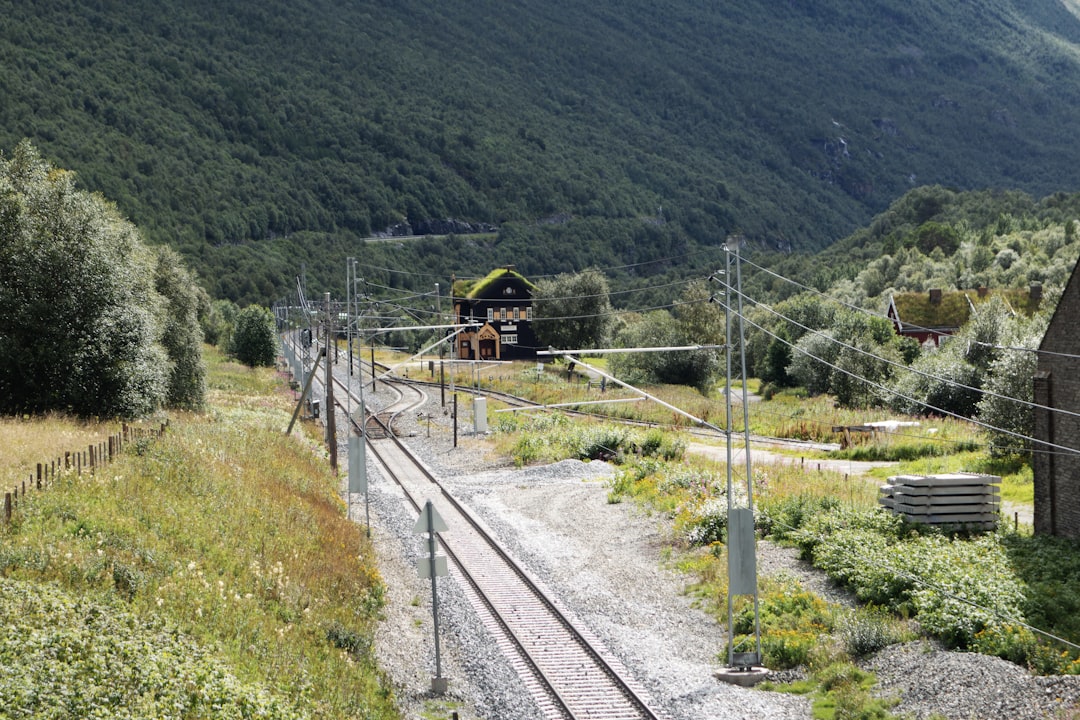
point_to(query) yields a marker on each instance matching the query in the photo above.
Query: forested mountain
(255, 135)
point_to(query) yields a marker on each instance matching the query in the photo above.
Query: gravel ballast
(606, 563)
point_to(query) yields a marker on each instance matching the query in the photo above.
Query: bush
(955, 588)
(254, 340)
(867, 630)
(780, 517)
(69, 657)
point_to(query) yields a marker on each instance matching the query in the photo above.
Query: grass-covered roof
(954, 308)
(476, 288)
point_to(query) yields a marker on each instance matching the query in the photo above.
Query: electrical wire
(1065, 450)
(871, 313)
(953, 596)
(908, 368)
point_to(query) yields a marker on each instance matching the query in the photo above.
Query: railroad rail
(569, 676)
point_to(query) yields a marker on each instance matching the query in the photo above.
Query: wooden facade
(499, 306)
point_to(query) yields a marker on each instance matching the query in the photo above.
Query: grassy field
(216, 563)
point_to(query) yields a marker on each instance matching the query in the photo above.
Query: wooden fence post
(7, 507)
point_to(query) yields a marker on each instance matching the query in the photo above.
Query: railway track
(568, 673)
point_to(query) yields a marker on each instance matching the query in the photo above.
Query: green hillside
(254, 136)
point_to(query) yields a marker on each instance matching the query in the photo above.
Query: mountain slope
(220, 123)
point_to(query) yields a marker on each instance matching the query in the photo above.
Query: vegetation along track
(569, 676)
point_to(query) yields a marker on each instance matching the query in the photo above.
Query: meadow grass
(30, 440)
(229, 532)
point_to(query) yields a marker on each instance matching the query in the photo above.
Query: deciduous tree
(572, 311)
(79, 315)
(254, 340)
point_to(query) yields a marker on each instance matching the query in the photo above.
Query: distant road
(391, 238)
(405, 238)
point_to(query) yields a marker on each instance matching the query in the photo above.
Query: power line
(1067, 450)
(908, 368)
(871, 313)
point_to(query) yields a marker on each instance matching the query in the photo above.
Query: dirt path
(851, 467)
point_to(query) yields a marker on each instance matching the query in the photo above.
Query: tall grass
(232, 533)
(30, 440)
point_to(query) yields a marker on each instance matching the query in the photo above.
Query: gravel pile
(606, 564)
(928, 679)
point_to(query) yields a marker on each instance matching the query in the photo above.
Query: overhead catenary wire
(908, 368)
(1065, 449)
(871, 313)
(854, 375)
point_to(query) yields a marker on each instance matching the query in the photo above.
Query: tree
(254, 340)
(950, 377)
(79, 313)
(811, 360)
(1007, 411)
(572, 311)
(217, 319)
(182, 337)
(696, 368)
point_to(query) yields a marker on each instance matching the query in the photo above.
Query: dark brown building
(1057, 385)
(500, 306)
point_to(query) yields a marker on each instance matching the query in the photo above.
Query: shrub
(867, 630)
(956, 588)
(69, 657)
(784, 649)
(781, 516)
(601, 442)
(709, 523)
(253, 339)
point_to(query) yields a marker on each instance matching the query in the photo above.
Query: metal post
(727, 433)
(434, 594)
(363, 441)
(746, 430)
(331, 427)
(348, 313)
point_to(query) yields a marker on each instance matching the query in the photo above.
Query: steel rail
(549, 685)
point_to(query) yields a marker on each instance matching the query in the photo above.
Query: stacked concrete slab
(969, 500)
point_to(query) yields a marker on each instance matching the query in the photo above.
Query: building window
(491, 314)
(528, 313)
(508, 339)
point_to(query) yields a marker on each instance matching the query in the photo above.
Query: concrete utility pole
(331, 428)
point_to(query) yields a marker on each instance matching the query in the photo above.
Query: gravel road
(607, 562)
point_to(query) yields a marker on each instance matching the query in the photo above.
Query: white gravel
(607, 562)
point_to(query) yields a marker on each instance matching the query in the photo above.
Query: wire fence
(89, 460)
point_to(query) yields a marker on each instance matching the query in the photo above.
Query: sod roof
(954, 308)
(476, 288)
